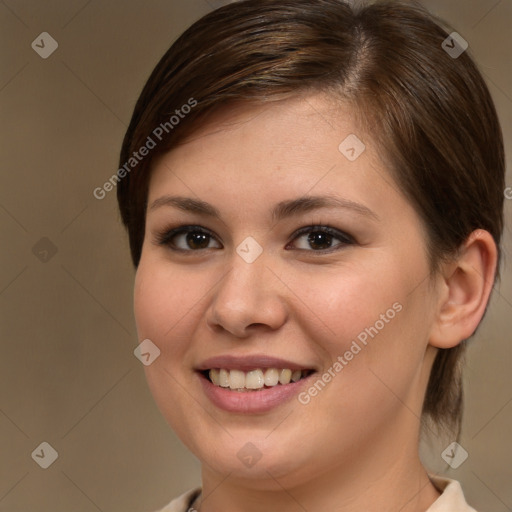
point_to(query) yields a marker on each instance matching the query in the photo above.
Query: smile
(253, 380)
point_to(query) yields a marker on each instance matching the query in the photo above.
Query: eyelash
(165, 237)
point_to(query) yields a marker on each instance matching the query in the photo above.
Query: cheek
(166, 304)
(369, 315)
(347, 301)
(164, 301)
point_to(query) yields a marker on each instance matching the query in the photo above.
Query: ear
(465, 287)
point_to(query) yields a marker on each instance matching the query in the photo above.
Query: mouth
(255, 383)
(254, 380)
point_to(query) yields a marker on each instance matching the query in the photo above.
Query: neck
(381, 484)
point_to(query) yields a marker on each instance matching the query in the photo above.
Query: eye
(188, 239)
(321, 239)
(310, 238)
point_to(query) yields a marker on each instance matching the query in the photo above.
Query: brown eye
(196, 240)
(188, 239)
(321, 238)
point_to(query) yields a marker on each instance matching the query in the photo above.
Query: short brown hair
(430, 114)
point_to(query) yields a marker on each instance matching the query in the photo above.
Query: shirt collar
(452, 498)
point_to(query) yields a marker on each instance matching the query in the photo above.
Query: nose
(249, 298)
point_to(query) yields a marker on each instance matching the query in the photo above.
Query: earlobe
(467, 285)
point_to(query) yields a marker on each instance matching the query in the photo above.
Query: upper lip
(251, 362)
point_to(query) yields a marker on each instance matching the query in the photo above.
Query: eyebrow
(281, 210)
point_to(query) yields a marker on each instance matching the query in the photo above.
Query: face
(271, 244)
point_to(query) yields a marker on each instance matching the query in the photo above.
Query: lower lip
(251, 401)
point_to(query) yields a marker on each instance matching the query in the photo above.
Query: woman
(313, 194)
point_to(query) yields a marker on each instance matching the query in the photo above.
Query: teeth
(254, 379)
(285, 376)
(224, 378)
(271, 377)
(236, 379)
(215, 376)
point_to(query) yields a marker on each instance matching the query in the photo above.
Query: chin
(252, 459)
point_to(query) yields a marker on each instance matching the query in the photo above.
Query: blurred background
(68, 372)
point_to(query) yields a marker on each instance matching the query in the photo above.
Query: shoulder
(182, 503)
(452, 498)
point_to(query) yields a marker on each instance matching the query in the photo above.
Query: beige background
(69, 375)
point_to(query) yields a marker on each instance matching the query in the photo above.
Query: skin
(354, 446)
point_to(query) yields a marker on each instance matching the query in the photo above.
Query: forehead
(294, 139)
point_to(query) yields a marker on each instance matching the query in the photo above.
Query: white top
(451, 499)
